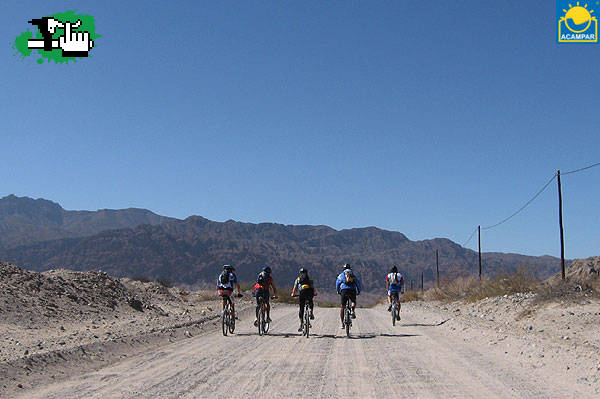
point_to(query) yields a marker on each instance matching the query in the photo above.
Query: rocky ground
(55, 322)
(555, 331)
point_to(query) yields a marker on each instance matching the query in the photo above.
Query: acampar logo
(576, 22)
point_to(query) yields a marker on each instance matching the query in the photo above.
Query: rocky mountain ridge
(25, 220)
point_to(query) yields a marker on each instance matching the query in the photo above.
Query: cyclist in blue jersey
(348, 286)
(226, 281)
(395, 286)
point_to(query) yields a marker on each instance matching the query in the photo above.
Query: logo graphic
(60, 37)
(576, 23)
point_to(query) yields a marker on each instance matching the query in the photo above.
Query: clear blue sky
(423, 117)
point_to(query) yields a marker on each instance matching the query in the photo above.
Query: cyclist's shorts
(227, 292)
(348, 295)
(262, 293)
(395, 294)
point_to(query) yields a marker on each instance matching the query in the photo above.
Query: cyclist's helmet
(394, 269)
(267, 269)
(302, 271)
(346, 266)
(228, 268)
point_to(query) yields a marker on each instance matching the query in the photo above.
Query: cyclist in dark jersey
(264, 282)
(306, 290)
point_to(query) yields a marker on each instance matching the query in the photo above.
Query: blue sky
(424, 117)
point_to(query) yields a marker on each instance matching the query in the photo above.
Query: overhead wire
(523, 207)
(470, 237)
(580, 169)
(537, 194)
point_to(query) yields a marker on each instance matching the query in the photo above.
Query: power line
(580, 169)
(523, 207)
(530, 201)
(471, 236)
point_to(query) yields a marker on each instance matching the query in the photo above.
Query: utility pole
(479, 230)
(422, 285)
(560, 223)
(437, 267)
(411, 284)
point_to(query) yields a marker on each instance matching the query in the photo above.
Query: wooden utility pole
(479, 231)
(560, 223)
(411, 284)
(422, 285)
(437, 267)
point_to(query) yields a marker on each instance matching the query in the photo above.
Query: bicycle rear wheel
(224, 322)
(231, 324)
(261, 318)
(394, 314)
(306, 321)
(348, 321)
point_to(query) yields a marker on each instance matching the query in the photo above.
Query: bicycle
(263, 322)
(306, 319)
(227, 322)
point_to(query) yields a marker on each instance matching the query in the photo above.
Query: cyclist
(306, 290)
(225, 283)
(348, 286)
(262, 288)
(395, 287)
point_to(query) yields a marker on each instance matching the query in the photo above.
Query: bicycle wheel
(231, 323)
(261, 318)
(306, 321)
(347, 321)
(394, 315)
(224, 322)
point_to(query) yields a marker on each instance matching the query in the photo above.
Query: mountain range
(41, 235)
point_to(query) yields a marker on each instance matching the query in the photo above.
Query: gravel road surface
(419, 358)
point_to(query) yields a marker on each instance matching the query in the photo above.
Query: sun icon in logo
(578, 19)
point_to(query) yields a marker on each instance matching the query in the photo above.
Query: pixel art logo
(60, 37)
(576, 22)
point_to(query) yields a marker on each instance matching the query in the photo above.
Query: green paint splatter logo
(60, 37)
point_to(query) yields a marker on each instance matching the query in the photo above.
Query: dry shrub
(327, 304)
(505, 284)
(410, 296)
(286, 298)
(471, 289)
(567, 291)
(247, 285)
(453, 290)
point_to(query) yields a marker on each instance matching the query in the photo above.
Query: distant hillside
(25, 221)
(192, 251)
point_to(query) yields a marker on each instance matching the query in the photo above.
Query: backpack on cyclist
(262, 279)
(394, 278)
(224, 278)
(349, 278)
(305, 282)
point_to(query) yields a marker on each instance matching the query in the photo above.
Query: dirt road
(419, 358)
